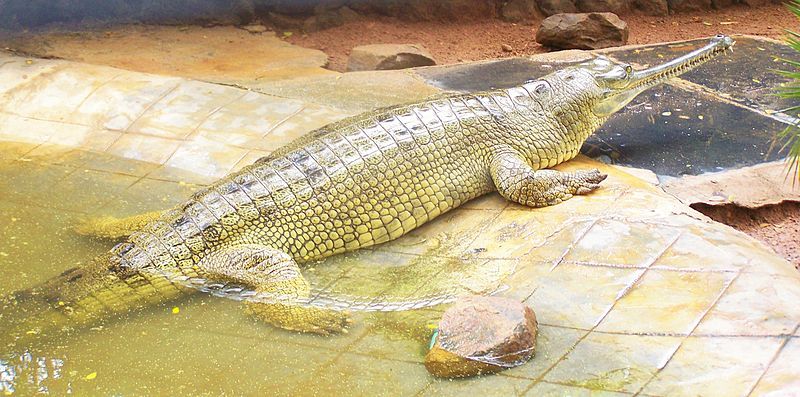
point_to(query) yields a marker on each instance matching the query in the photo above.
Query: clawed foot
(302, 319)
(585, 181)
(325, 322)
(578, 182)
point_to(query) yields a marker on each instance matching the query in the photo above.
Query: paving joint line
(696, 324)
(772, 360)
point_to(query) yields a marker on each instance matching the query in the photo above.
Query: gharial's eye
(628, 69)
(542, 88)
(537, 89)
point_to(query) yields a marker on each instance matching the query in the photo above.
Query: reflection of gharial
(361, 181)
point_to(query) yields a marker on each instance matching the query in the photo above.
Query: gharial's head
(607, 86)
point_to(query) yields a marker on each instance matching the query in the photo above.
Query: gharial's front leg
(275, 273)
(517, 181)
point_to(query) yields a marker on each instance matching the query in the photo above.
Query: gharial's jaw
(622, 89)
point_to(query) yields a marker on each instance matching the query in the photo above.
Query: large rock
(553, 7)
(615, 6)
(519, 10)
(482, 335)
(388, 56)
(653, 7)
(689, 5)
(587, 31)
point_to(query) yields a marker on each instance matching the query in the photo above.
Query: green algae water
(203, 345)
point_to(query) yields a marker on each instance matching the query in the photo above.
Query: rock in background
(388, 57)
(586, 31)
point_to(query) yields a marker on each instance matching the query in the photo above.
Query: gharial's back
(373, 177)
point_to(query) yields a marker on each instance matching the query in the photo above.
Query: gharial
(357, 182)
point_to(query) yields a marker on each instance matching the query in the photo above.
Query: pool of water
(203, 344)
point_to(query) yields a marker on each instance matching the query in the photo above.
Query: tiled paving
(635, 293)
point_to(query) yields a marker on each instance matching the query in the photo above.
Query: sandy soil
(470, 41)
(777, 225)
(230, 52)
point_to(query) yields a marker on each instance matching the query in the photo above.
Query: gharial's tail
(78, 298)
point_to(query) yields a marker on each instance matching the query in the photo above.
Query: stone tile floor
(635, 292)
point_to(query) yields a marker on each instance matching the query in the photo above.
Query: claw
(588, 188)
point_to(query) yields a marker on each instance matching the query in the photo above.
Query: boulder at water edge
(480, 335)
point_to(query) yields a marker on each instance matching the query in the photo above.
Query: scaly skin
(358, 182)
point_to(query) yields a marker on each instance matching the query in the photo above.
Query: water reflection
(25, 373)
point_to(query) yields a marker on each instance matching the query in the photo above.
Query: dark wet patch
(675, 132)
(747, 75)
(504, 73)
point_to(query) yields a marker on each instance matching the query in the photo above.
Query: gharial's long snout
(645, 78)
(622, 83)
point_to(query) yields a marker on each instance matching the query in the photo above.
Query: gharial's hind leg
(275, 273)
(114, 228)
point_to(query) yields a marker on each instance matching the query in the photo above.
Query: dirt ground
(471, 41)
(777, 225)
(227, 51)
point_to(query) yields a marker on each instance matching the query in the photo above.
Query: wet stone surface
(674, 132)
(720, 309)
(747, 75)
(488, 75)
